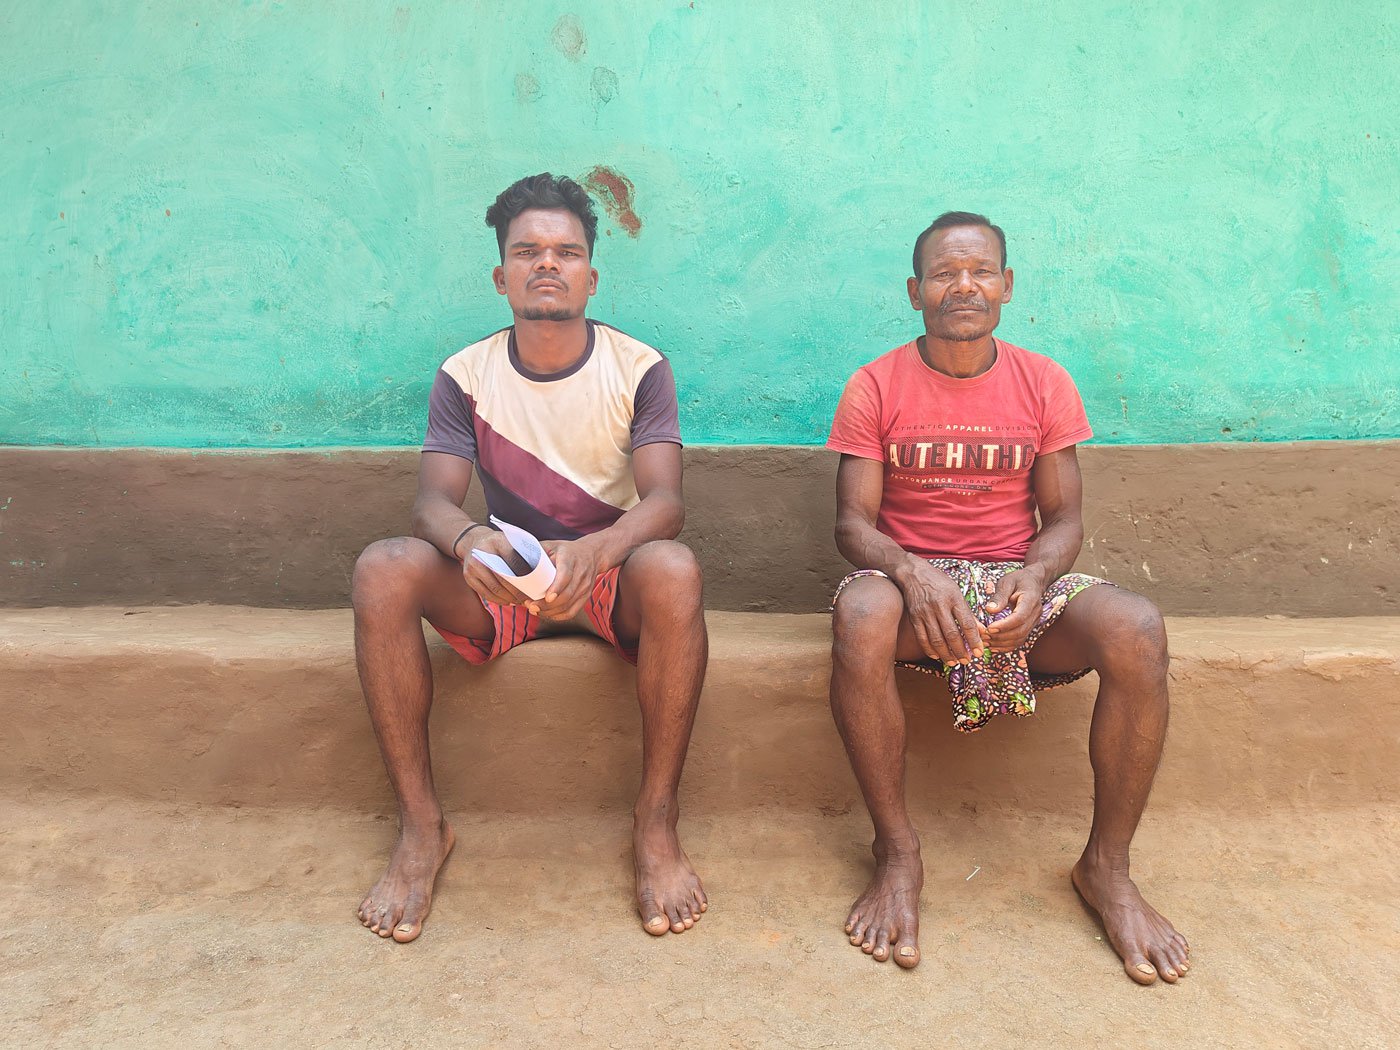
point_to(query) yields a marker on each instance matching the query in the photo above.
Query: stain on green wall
(261, 224)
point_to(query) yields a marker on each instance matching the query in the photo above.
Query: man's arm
(656, 468)
(438, 518)
(942, 619)
(1059, 491)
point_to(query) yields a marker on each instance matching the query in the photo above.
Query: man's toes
(701, 899)
(653, 920)
(1177, 958)
(906, 952)
(1140, 970)
(1163, 962)
(1172, 962)
(368, 911)
(410, 923)
(882, 946)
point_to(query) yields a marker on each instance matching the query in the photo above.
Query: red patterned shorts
(516, 625)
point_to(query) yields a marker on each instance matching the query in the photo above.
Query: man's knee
(665, 571)
(387, 569)
(1133, 639)
(865, 621)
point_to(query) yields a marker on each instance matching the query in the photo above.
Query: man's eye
(983, 273)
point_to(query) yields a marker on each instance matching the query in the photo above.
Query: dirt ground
(151, 926)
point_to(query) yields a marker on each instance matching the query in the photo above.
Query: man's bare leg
(869, 631)
(398, 582)
(660, 608)
(1120, 635)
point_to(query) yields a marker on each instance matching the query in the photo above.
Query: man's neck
(550, 346)
(956, 359)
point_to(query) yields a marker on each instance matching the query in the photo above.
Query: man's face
(962, 286)
(546, 274)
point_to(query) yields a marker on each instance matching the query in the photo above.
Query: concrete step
(241, 706)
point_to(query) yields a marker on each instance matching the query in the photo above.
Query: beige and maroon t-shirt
(958, 452)
(554, 452)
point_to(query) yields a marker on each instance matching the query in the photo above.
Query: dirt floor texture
(151, 926)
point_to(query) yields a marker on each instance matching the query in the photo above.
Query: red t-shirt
(958, 452)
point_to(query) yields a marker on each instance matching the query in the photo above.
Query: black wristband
(474, 525)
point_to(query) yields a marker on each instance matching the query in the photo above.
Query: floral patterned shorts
(997, 683)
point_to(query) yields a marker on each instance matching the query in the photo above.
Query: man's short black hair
(541, 191)
(956, 218)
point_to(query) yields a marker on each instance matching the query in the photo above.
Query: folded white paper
(535, 583)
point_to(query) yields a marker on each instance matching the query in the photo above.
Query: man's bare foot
(885, 918)
(400, 900)
(669, 895)
(1147, 943)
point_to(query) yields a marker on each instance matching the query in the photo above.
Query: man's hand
(1019, 595)
(942, 619)
(481, 579)
(576, 565)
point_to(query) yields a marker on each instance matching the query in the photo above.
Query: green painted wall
(260, 224)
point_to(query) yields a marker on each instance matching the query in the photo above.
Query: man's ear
(498, 278)
(915, 300)
(1007, 276)
(592, 282)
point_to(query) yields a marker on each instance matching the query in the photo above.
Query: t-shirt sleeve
(856, 428)
(1063, 421)
(450, 427)
(655, 411)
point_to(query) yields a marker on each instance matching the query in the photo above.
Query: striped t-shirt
(554, 452)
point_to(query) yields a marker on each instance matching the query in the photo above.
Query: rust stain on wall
(615, 191)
